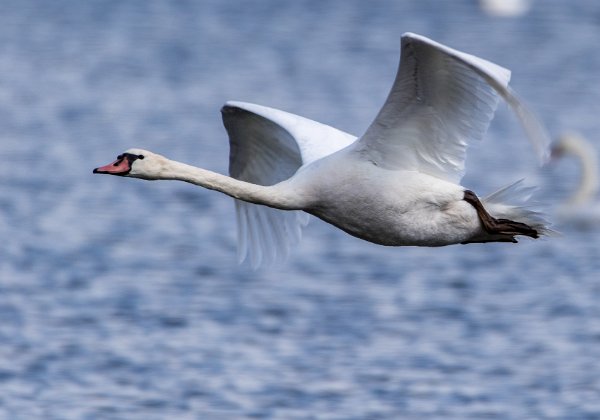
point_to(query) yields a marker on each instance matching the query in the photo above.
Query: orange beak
(118, 167)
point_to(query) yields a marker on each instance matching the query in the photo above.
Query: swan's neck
(278, 196)
(589, 183)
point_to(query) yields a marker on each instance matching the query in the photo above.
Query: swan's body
(398, 184)
(582, 207)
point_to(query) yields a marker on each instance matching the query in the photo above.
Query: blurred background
(122, 298)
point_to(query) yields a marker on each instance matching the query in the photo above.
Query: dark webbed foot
(499, 226)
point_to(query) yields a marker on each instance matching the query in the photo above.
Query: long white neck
(589, 183)
(278, 196)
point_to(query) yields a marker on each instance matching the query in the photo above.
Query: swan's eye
(140, 156)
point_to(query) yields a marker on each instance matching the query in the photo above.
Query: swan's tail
(513, 202)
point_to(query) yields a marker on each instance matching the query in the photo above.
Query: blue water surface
(122, 299)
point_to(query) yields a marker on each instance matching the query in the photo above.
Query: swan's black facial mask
(121, 166)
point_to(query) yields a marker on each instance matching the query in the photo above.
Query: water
(122, 299)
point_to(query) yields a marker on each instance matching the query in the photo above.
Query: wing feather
(441, 100)
(268, 146)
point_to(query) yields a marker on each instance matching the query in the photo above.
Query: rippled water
(121, 298)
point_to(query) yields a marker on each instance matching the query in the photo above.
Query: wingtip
(534, 128)
(407, 37)
(411, 35)
(228, 107)
(232, 106)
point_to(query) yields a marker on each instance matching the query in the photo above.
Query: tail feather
(513, 202)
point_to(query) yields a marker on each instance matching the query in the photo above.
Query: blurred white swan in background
(582, 207)
(505, 8)
(396, 185)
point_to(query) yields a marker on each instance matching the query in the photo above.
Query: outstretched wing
(441, 100)
(268, 146)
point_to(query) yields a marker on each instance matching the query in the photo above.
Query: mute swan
(396, 185)
(582, 207)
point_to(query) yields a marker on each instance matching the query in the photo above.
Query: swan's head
(136, 163)
(570, 144)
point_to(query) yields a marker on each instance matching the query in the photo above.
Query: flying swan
(582, 208)
(396, 185)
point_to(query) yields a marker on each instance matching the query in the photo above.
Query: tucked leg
(498, 226)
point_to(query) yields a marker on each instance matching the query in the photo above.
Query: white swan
(396, 185)
(505, 8)
(582, 207)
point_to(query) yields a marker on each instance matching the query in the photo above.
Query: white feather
(441, 100)
(268, 146)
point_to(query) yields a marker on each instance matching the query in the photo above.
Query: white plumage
(582, 207)
(398, 184)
